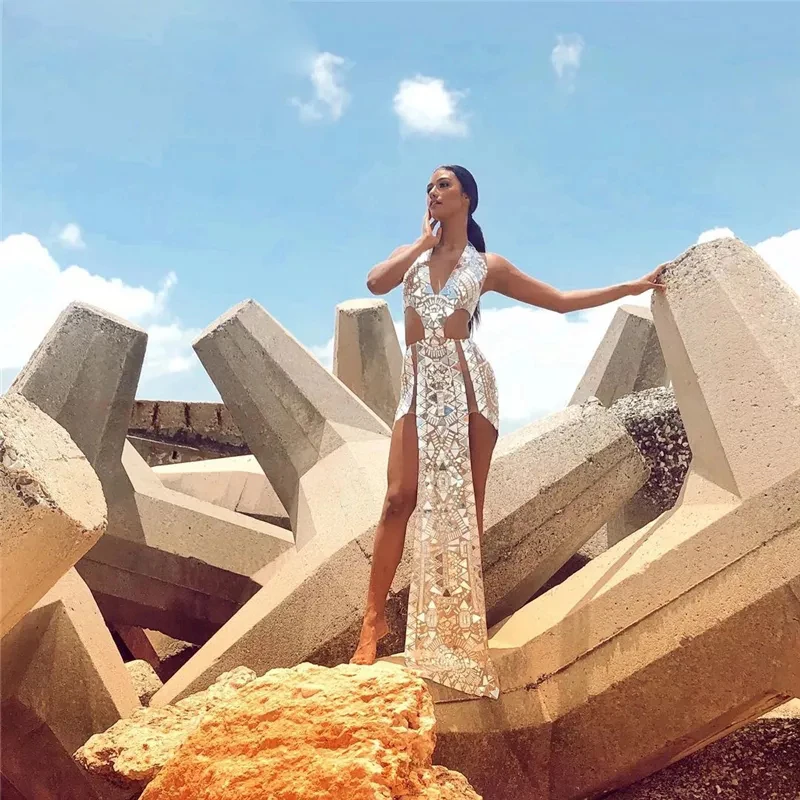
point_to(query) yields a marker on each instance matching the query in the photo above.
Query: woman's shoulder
(495, 259)
(497, 267)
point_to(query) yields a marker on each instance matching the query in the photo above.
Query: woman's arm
(503, 277)
(383, 277)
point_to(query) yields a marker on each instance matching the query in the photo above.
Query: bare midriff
(456, 328)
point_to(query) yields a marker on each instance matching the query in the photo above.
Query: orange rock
(132, 751)
(315, 733)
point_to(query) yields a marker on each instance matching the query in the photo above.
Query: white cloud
(566, 58)
(715, 233)
(71, 236)
(782, 253)
(426, 106)
(330, 96)
(539, 357)
(36, 290)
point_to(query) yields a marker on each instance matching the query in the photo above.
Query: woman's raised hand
(430, 237)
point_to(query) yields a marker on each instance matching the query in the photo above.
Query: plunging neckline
(452, 271)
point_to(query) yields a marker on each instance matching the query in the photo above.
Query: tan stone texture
(163, 653)
(534, 523)
(367, 356)
(315, 733)
(182, 566)
(237, 483)
(157, 454)
(145, 681)
(52, 508)
(551, 486)
(132, 751)
(292, 412)
(167, 561)
(63, 680)
(693, 623)
(36, 766)
(84, 375)
(627, 360)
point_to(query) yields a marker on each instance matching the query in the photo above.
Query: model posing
(445, 431)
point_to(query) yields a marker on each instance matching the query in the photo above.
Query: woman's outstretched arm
(503, 277)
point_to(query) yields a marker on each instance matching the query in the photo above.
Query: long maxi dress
(443, 381)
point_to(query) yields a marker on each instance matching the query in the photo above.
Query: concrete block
(628, 359)
(163, 653)
(52, 508)
(167, 561)
(145, 681)
(731, 328)
(63, 681)
(544, 502)
(84, 374)
(291, 411)
(692, 623)
(367, 356)
(237, 483)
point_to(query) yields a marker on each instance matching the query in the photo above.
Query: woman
(445, 431)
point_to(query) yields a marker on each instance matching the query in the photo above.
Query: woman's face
(445, 196)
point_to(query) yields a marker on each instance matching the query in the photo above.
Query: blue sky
(187, 137)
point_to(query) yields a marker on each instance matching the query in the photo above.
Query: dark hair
(474, 232)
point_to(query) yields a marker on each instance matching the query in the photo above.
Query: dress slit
(444, 380)
(446, 634)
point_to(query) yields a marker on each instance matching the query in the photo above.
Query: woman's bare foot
(372, 631)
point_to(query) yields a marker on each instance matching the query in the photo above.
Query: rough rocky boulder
(362, 733)
(132, 751)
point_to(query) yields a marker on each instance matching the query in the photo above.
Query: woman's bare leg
(482, 439)
(390, 535)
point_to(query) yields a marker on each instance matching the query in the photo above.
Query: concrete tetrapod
(236, 482)
(52, 508)
(690, 627)
(553, 485)
(167, 562)
(366, 354)
(63, 681)
(292, 412)
(627, 360)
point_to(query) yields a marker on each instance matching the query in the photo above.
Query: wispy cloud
(326, 73)
(566, 59)
(70, 236)
(426, 106)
